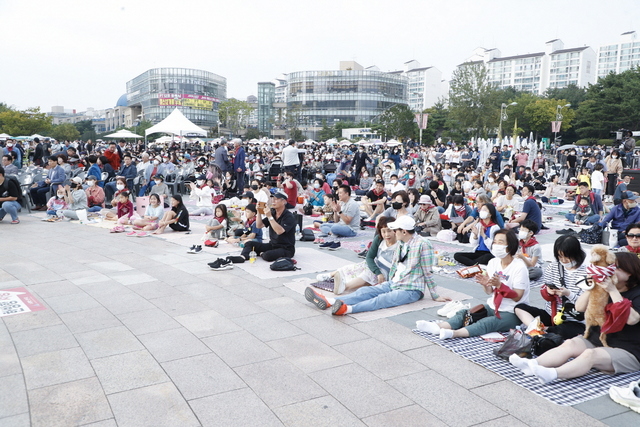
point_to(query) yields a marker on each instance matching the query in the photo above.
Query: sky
(81, 53)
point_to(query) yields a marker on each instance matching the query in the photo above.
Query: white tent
(177, 124)
(123, 133)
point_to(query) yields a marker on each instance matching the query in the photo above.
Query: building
(555, 67)
(619, 57)
(155, 93)
(424, 87)
(266, 111)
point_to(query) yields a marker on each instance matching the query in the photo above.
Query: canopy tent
(4, 136)
(176, 123)
(123, 133)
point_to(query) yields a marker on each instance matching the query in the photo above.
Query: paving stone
(329, 330)
(156, 405)
(207, 323)
(21, 420)
(56, 367)
(153, 289)
(105, 423)
(132, 278)
(392, 334)
(194, 267)
(72, 302)
(9, 361)
(203, 375)
(33, 320)
(626, 419)
(43, 340)
(74, 403)
(267, 326)
(409, 416)
(321, 412)
(90, 320)
(233, 306)
(55, 289)
(507, 421)
(124, 302)
(602, 407)
(252, 292)
(173, 344)
(177, 305)
(387, 364)
(203, 290)
(234, 408)
(109, 267)
(13, 396)
(239, 348)
(373, 396)
(85, 277)
(128, 371)
(289, 309)
(148, 321)
(433, 392)
(107, 342)
(308, 353)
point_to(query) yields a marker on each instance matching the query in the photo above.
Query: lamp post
(419, 118)
(503, 117)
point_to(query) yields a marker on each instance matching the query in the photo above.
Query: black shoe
(363, 254)
(221, 264)
(565, 231)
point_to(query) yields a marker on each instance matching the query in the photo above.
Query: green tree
(65, 132)
(86, 129)
(542, 112)
(438, 122)
(574, 94)
(473, 101)
(252, 133)
(234, 114)
(326, 132)
(143, 125)
(517, 112)
(398, 122)
(26, 122)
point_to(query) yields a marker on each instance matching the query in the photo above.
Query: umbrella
(123, 133)
(566, 147)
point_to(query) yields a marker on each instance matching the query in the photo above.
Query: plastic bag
(516, 343)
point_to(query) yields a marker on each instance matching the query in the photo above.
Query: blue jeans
(338, 230)
(10, 208)
(591, 220)
(144, 188)
(487, 324)
(94, 209)
(370, 298)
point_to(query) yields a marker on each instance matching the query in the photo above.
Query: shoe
(363, 254)
(334, 246)
(197, 249)
(132, 233)
(338, 285)
(211, 243)
(325, 245)
(455, 310)
(318, 240)
(236, 259)
(216, 262)
(142, 234)
(221, 264)
(318, 299)
(15, 221)
(191, 249)
(448, 307)
(339, 308)
(629, 396)
(324, 277)
(565, 231)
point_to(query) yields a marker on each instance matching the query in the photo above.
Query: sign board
(17, 301)
(199, 102)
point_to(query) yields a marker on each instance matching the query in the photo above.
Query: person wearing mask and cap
(154, 169)
(160, 188)
(203, 194)
(410, 277)
(427, 217)
(75, 197)
(12, 149)
(623, 215)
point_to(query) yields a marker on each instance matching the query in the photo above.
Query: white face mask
(91, 183)
(490, 179)
(633, 205)
(499, 251)
(614, 157)
(316, 185)
(523, 234)
(156, 162)
(484, 214)
(60, 195)
(199, 182)
(158, 182)
(568, 265)
(394, 181)
(120, 187)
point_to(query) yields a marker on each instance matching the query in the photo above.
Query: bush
(606, 142)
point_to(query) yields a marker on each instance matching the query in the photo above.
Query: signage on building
(199, 102)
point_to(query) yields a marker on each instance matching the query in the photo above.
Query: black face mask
(397, 205)
(254, 187)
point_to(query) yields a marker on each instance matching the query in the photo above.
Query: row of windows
(343, 105)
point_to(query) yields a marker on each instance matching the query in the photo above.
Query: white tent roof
(177, 124)
(123, 133)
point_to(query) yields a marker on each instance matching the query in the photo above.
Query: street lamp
(559, 119)
(503, 117)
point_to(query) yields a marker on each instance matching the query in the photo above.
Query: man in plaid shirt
(410, 275)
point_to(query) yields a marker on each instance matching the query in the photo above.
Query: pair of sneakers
(332, 246)
(451, 308)
(195, 249)
(627, 396)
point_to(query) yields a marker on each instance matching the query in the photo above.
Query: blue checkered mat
(562, 392)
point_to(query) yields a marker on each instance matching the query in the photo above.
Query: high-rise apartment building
(619, 57)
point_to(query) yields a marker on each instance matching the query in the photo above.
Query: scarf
(486, 227)
(582, 209)
(555, 301)
(635, 251)
(532, 241)
(376, 192)
(600, 274)
(411, 182)
(250, 222)
(220, 219)
(462, 211)
(499, 293)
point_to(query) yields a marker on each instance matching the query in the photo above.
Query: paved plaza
(136, 332)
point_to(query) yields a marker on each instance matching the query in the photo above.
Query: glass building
(266, 113)
(344, 95)
(196, 93)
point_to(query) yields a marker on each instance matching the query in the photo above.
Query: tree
(326, 132)
(573, 94)
(517, 112)
(542, 112)
(438, 121)
(65, 132)
(234, 114)
(143, 125)
(398, 122)
(27, 122)
(473, 102)
(252, 133)
(86, 129)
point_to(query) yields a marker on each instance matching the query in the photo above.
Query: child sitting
(56, 204)
(217, 226)
(583, 211)
(250, 230)
(124, 208)
(530, 251)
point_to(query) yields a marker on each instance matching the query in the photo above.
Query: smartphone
(551, 286)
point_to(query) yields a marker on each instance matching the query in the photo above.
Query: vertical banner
(421, 120)
(555, 126)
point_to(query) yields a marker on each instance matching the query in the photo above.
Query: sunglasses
(633, 236)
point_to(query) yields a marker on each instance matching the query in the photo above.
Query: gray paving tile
(308, 353)
(43, 340)
(196, 268)
(90, 320)
(233, 306)
(9, 361)
(252, 292)
(132, 278)
(234, 408)
(32, 277)
(54, 289)
(104, 288)
(392, 334)
(56, 367)
(13, 396)
(21, 420)
(203, 290)
(267, 326)
(153, 289)
(602, 407)
(290, 386)
(203, 375)
(321, 412)
(626, 419)
(329, 330)
(105, 423)
(85, 277)
(289, 309)
(124, 302)
(72, 302)
(156, 405)
(33, 320)
(373, 396)
(173, 344)
(428, 387)
(207, 323)
(409, 416)
(239, 348)
(453, 367)
(148, 321)
(109, 267)
(128, 371)
(52, 406)
(107, 342)
(507, 421)
(177, 305)
(387, 363)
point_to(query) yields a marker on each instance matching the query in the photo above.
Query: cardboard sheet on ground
(301, 284)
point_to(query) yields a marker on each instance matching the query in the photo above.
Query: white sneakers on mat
(451, 308)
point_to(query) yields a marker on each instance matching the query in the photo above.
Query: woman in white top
(506, 282)
(509, 202)
(597, 179)
(204, 194)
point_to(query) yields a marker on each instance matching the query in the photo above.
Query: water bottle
(252, 256)
(363, 247)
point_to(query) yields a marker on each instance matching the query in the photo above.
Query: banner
(199, 102)
(555, 126)
(421, 120)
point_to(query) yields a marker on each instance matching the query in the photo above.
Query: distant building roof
(628, 32)
(419, 69)
(508, 58)
(551, 41)
(122, 101)
(394, 72)
(575, 49)
(470, 63)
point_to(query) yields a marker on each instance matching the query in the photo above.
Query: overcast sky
(81, 53)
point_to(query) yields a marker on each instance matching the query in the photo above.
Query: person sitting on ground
(375, 269)
(75, 197)
(621, 188)
(595, 205)
(282, 231)
(177, 218)
(427, 217)
(530, 250)
(112, 213)
(530, 209)
(554, 190)
(56, 204)
(623, 215)
(583, 211)
(160, 187)
(95, 195)
(466, 226)
(346, 214)
(632, 233)
(577, 356)
(316, 194)
(399, 205)
(203, 193)
(482, 235)
(152, 214)
(55, 177)
(560, 290)
(438, 196)
(507, 283)
(124, 208)
(10, 196)
(216, 228)
(375, 201)
(250, 230)
(409, 277)
(509, 203)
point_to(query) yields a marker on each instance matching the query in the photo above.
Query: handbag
(592, 235)
(545, 342)
(517, 342)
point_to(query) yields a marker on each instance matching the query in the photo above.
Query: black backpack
(284, 264)
(307, 235)
(591, 236)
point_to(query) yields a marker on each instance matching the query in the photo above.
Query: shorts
(623, 362)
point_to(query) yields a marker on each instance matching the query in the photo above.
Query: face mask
(199, 182)
(412, 176)
(499, 251)
(156, 162)
(316, 185)
(319, 176)
(394, 181)
(158, 182)
(91, 183)
(633, 205)
(365, 175)
(201, 163)
(397, 205)
(254, 187)
(539, 155)
(120, 187)
(484, 214)
(523, 235)
(614, 157)
(490, 179)
(60, 195)
(568, 265)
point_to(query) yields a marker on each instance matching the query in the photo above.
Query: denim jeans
(370, 298)
(338, 230)
(591, 220)
(144, 188)
(10, 208)
(487, 324)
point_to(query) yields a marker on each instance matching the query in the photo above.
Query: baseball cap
(248, 194)
(279, 196)
(76, 179)
(628, 195)
(404, 222)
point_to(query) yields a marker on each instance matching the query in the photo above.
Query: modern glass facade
(349, 95)
(196, 93)
(266, 112)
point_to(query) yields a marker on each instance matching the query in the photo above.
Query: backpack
(284, 264)
(307, 235)
(591, 236)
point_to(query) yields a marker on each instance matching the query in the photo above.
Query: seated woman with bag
(560, 291)
(507, 283)
(482, 236)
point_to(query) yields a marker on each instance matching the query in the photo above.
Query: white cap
(404, 222)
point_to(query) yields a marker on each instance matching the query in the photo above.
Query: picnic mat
(561, 392)
(301, 284)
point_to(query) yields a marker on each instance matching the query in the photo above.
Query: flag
(425, 117)
(555, 126)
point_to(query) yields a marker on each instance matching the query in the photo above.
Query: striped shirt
(571, 277)
(412, 262)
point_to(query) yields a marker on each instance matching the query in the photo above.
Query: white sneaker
(629, 396)
(456, 309)
(448, 307)
(338, 285)
(323, 277)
